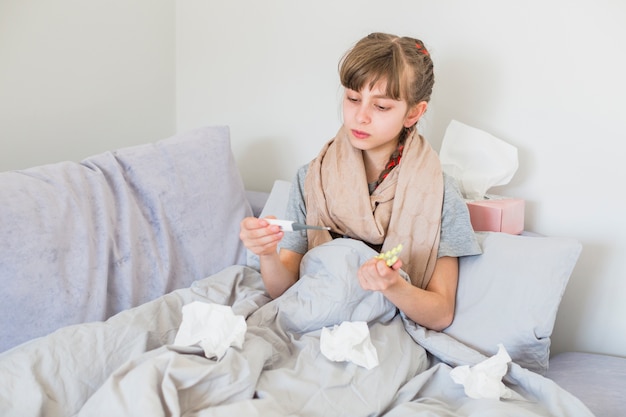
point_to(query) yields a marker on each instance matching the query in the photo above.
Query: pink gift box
(497, 215)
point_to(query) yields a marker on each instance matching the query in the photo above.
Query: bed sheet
(127, 366)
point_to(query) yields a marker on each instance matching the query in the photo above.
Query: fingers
(375, 275)
(397, 265)
(259, 236)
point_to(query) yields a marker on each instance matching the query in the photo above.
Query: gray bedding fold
(123, 367)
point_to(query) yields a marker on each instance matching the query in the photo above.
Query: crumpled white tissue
(484, 380)
(476, 159)
(213, 327)
(349, 341)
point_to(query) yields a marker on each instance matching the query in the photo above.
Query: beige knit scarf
(405, 208)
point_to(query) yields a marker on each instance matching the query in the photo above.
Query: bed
(100, 259)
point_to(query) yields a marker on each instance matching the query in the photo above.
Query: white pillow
(276, 203)
(511, 293)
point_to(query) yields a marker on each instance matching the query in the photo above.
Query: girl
(378, 181)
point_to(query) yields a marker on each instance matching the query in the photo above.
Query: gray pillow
(82, 241)
(511, 293)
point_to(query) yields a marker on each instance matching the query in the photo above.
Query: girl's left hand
(375, 275)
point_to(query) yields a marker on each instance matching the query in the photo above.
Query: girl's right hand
(260, 237)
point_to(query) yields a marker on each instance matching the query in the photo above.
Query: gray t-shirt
(457, 236)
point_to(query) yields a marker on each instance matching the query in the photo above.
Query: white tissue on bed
(349, 341)
(476, 159)
(213, 327)
(484, 380)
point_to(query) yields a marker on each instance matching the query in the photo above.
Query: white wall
(546, 77)
(81, 77)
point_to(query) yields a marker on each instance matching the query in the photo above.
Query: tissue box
(497, 215)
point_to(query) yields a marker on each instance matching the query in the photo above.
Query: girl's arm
(432, 307)
(278, 272)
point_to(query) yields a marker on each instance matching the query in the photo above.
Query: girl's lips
(359, 135)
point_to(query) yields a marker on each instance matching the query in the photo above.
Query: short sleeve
(457, 235)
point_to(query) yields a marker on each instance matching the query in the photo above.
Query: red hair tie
(421, 49)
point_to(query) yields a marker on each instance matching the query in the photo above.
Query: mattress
(599, 381)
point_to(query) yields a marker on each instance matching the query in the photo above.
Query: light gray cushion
(257, 200)
(511, 293)
(82, 241)
(276, 203)
(597, 380)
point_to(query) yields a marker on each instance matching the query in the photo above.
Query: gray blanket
(127, 366)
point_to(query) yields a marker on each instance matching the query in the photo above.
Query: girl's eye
(381, 108)
(352, 99)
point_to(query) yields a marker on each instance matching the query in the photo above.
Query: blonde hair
(402, 62)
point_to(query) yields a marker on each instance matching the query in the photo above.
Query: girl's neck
(376, 160)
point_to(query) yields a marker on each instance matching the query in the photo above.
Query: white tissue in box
(476, 159)
(214, 327)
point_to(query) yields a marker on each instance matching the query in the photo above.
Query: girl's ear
(415, 113)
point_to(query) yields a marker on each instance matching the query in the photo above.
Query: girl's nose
(362, 115)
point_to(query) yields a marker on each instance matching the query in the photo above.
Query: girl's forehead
(382, 84)
(378, 87)
(378, 81)
(377, 84)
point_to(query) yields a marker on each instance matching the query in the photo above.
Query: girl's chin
(367, 148)
(361, 144)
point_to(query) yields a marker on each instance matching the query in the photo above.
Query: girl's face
(373, 120)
